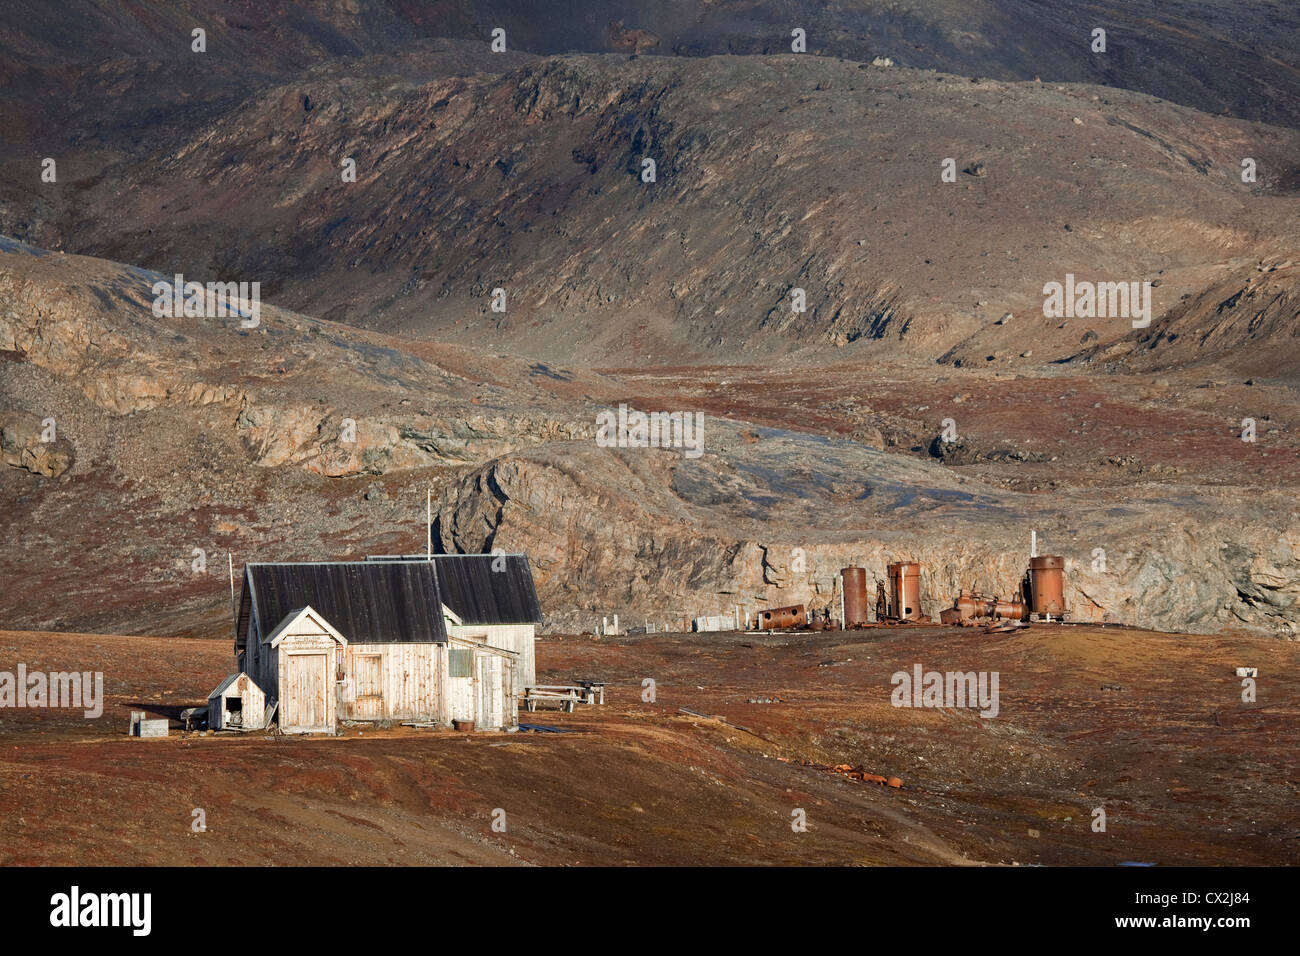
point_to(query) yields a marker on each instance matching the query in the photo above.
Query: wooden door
(368, 679)
(461, 700)
(306, 706)
(488, 690)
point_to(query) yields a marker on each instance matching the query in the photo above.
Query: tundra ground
(1150, 728)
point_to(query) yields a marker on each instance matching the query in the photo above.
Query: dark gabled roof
(484, 588)
(368, 602)
(478, 594)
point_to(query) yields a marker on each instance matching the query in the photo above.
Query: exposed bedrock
(648, 533)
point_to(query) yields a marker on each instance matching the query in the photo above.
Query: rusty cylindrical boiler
(1047, 585)
(905, 590)
(971, 606)
(853, 584)
(1008, 609)
(780, 617)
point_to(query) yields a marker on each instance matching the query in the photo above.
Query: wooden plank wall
(411, 676)
(253, 706)
(519, 638)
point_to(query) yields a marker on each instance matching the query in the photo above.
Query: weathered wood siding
(307, 663)
(495, 704)
(393, 682)
(486, 695)
(252, 705)
(519, 638)
(260, 663)
(460, 687)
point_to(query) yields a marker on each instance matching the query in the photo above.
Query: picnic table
(566, 697)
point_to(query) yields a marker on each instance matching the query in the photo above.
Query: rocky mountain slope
(1233, 57)
(133, 440)
(172, 435)
(768, 518)
(771, 174)
(137, 448)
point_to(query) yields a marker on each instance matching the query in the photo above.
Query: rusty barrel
(779, 617)
(1047, 584)
(905, 589)
(854, 582)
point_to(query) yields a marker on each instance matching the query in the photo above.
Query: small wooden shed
(237, 704)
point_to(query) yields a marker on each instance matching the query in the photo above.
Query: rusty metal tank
(1047, 585)
(853, 580)
(905, 590)
(796, 615)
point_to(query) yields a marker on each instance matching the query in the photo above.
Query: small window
(461, 663)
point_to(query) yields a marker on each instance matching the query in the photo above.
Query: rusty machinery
(971, 608)
(853, 597)
(898, 602)
(1046, 586)
(1042, 597)
(822, 620)
(905, 592)
(779, 618)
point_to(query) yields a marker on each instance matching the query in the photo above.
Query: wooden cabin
(375, 641)
(480, 684)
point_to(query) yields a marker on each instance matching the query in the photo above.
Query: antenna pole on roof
(234, 608)
(428, 523)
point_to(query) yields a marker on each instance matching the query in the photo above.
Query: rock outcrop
(647, 533)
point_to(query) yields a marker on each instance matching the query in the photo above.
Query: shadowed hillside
(771, 174)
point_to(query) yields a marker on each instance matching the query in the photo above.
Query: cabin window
(369, 675)
(461, 663)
